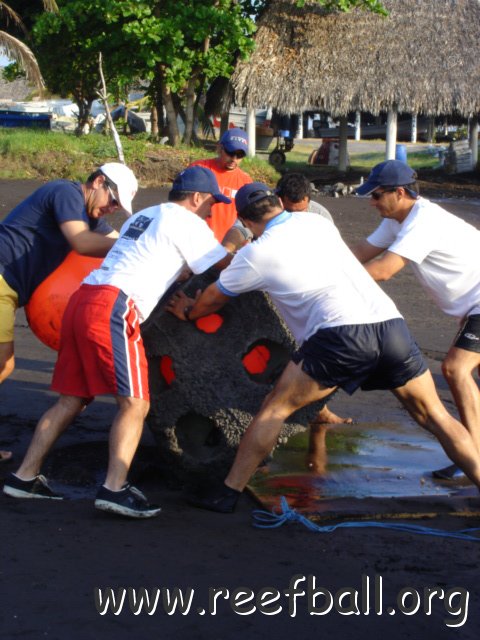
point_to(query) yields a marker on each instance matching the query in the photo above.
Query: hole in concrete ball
(265, 360)
(166, 369)
(198, 436)
(209, 324)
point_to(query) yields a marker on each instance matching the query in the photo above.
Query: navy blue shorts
(468, 337)
(381, 355)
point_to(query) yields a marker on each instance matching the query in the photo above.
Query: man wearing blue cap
(351, 335)
(444, 253)
(101, 350)
(231, 150)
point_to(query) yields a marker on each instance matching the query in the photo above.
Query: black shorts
(468, 337)
(381, 355)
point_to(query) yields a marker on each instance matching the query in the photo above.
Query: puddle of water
(367, 460)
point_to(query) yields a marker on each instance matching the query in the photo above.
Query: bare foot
(5, 455)
(325, 416)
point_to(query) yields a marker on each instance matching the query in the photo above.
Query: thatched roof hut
(423, 58)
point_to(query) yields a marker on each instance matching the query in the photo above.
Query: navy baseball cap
(235, 140)
(250, 193)
(391, 173)
(200, 179)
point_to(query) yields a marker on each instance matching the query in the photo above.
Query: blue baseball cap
(235, 140)
(250, 193)
(391, 173)
(199, 179)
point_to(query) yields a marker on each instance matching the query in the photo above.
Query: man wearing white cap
(101, 349)
(39, 232)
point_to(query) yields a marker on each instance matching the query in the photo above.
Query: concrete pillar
(343, 146)
(431, 129)
(251, 132)
(299, 133)
(474, 140)
(358, 125)
(391, 140)
(414, 127)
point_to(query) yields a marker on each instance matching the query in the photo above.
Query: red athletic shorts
(101, 349)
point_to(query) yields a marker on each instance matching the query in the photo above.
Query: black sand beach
(55, 556)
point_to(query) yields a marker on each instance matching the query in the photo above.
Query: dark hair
(177, 196)
(255, 211)
(294, 186)
(412, 189)
(93, 176)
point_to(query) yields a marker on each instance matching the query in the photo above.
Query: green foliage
(255, 7)
(346, 5)
(12, 72)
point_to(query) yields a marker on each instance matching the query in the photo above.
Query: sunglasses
(376, 195)
(113, 198)
(234, 154)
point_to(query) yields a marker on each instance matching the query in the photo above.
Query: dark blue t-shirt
(32, 244)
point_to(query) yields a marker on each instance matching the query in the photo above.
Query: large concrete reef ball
(208, 378)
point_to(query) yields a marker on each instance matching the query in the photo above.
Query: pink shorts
(101, 349)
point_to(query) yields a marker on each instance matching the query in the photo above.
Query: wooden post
(104, 98)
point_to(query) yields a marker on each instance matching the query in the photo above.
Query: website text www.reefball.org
(302, 593)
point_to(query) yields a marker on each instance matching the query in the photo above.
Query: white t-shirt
(443, 250)
(154, 246)
(316, 207)
(301, 261)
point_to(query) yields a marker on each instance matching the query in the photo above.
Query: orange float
(45, 308)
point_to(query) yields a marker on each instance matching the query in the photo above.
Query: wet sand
(53, 555)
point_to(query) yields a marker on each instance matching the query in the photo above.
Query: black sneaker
(221, 498)
(129, 501)
(452, 472)
(36, 488)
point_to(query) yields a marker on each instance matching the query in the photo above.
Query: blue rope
(279, 516)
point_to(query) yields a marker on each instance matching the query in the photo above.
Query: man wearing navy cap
(443, 252)
(101, 350)
(231, 150)
(351, 334)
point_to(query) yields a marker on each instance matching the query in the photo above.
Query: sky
(3, 60)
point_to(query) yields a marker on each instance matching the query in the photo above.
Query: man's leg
(293, 391)
(7, 360)
(125, 435)
(50, 426)
(7, 365)
(116, 495)
(458, 368)
(325, 416)
(420, 398)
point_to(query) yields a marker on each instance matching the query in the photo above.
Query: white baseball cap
(124, 182)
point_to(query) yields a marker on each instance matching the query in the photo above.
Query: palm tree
(16, 49)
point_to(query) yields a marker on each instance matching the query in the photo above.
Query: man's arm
(206, 302)
(364, 251)
(386, 267)
(86, 242)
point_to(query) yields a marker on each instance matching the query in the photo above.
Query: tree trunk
(84, 107)
(189, 110)
(167, 100)
(154, 122)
